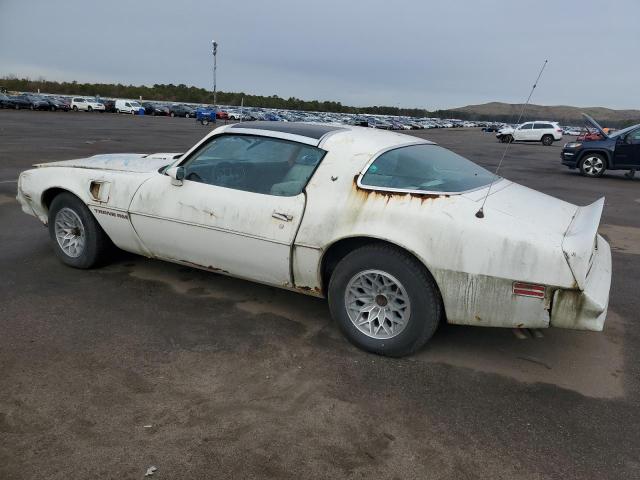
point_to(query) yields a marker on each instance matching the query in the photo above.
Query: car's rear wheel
(547, 140)
(172, 114)
(75, 108)
(17, 107)
(77, 238)
(593, 165)
(384, 300)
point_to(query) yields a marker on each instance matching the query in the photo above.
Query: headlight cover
(573, 145)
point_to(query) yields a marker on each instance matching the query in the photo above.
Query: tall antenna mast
(480, 212)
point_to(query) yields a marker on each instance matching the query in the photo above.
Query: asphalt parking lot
(104, 373)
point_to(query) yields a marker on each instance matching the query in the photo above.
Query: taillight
(528, 289)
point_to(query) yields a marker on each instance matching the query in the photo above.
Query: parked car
(109, 105)
(56, 104)
(383, 225)
(206, 115)
(573, 131)
(181, 111)
(82, 104)
(129, 106)
(34, 102)
(155, 109)
(615, 151)
(16, 102)
(539, 131)
(494, 127)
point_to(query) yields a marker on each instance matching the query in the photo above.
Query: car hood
(122, 162)
(595, 125)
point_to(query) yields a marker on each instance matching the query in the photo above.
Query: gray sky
(411, 53)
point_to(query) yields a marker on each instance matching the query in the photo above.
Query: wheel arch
(340, 248)
(604, 152)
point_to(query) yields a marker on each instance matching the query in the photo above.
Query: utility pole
(214, 45)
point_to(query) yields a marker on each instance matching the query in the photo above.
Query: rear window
(428, 168)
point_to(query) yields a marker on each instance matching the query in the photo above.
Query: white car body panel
(525, 236)
(84, 105)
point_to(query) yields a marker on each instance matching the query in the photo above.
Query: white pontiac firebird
(382, 224)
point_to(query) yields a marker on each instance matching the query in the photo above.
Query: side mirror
(177, 175)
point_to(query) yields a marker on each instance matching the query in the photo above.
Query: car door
(627, 152)
(237, 210)
(523, 132)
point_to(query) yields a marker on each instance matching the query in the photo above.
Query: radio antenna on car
(480, 212)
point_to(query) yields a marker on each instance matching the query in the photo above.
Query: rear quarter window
(425, 168)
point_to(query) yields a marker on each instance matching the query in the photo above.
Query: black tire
(32, 107)
(547, 140)
(172, 114)
(204, 122)
(52, 108)
(96, 242)
(117, 110)
(75, 108)
(422, 292)
(17, 107)
(593, 165)
(89, 109)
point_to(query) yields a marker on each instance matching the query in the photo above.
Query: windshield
(134, 104)
(425, 168)
(624, 131)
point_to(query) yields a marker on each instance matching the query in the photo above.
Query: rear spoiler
(579, 240)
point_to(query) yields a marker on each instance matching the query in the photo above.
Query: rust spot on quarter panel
(366, 193)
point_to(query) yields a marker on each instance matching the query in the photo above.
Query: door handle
(285, 217)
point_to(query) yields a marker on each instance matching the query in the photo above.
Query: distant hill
(508, 112)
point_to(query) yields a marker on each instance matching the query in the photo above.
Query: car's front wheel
(77, 238)
(593, 165)
(384, 300)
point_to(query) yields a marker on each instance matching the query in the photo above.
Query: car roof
(310, 130)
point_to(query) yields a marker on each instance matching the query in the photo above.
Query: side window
(254, 164)
(526, 126)
(428, 168)
(541, 126)
(634, 137)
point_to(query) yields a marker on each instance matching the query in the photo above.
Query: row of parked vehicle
(154, 108)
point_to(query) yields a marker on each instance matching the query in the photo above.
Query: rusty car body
(532, 261)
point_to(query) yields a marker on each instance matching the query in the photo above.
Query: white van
(128, 106)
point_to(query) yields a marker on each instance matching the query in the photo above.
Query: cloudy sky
(412, 53)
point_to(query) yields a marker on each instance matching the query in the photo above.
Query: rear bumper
(586, 309)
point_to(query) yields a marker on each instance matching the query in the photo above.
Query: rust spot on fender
(365, 194)
(315, 291)
(203, 267)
